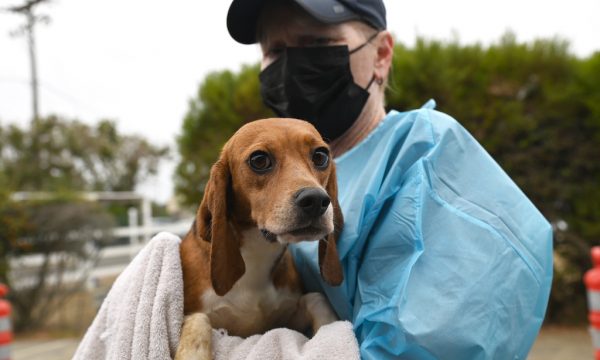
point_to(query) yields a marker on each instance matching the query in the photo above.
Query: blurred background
(111, 113)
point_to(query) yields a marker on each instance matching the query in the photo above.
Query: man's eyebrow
(307, 38)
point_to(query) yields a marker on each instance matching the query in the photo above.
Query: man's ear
(329, 262)
(226, 262)
(385, 52)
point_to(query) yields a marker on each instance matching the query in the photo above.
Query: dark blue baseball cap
(243, 15)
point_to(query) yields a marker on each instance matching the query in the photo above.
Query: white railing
(111, 260)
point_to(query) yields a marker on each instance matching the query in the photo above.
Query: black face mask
(315, 84)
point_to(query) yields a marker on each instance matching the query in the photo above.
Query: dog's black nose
(312, 201)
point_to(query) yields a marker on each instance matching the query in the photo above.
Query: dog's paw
(195, 339)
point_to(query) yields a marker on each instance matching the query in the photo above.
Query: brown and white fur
(237, 272)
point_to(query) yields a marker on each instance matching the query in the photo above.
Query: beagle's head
(276, 175)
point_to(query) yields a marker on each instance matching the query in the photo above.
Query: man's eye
(321, 41)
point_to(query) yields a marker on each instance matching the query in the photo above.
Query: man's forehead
(279, 21)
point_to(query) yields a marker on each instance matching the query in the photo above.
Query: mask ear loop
(363, 44)
(375, 79)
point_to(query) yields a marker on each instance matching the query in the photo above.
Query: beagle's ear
(329, 262)
(226, 262)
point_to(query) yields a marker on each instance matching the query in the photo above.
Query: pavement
(57, 349)
(553, 343)
(562, 343)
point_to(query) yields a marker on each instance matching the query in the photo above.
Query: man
(444, 257)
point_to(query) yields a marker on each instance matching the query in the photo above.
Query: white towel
(333, 341)
(142, 314)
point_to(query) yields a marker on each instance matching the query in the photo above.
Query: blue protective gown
(443, 256)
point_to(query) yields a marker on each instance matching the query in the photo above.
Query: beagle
(274, 184)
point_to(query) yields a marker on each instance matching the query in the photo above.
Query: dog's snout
(312, 201)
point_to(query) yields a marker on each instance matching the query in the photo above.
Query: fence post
(592, 284)
(146, 218)
(5, 327)
(132, 215)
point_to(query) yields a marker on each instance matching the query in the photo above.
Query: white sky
(139, 62)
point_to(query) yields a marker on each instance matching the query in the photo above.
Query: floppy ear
(226, 262)
(329, 262)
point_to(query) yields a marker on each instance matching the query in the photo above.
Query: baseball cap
(243, 15)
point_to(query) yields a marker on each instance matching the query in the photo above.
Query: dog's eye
(321, 158)
(260, 162)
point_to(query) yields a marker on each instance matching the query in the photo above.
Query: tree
(225, 101)
(54, 154)
(60, 157)
(62, 233)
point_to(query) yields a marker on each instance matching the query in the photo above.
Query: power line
(44, 85)
(27, 29)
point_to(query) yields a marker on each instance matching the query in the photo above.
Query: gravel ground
(562, 343)
(554, 343)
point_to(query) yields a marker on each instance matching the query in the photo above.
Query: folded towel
(333, 341)
(142, 314)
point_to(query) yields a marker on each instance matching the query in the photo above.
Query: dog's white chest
(253, 305)
(247, 312)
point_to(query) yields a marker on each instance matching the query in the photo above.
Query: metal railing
(106, 261)
(109, 262)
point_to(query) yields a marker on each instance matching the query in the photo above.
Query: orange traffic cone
(592, 283)
(5, 328)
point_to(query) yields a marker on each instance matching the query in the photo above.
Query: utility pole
(27, 29)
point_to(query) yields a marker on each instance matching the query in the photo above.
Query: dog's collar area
(269, 236)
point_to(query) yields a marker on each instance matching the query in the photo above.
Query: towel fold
(333, 341)
(142, 314)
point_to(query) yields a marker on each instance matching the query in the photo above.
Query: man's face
(286, 26)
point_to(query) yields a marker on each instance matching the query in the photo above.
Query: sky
(139, 62)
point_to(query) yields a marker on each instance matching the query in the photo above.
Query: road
(44, 349)
(554, 343)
